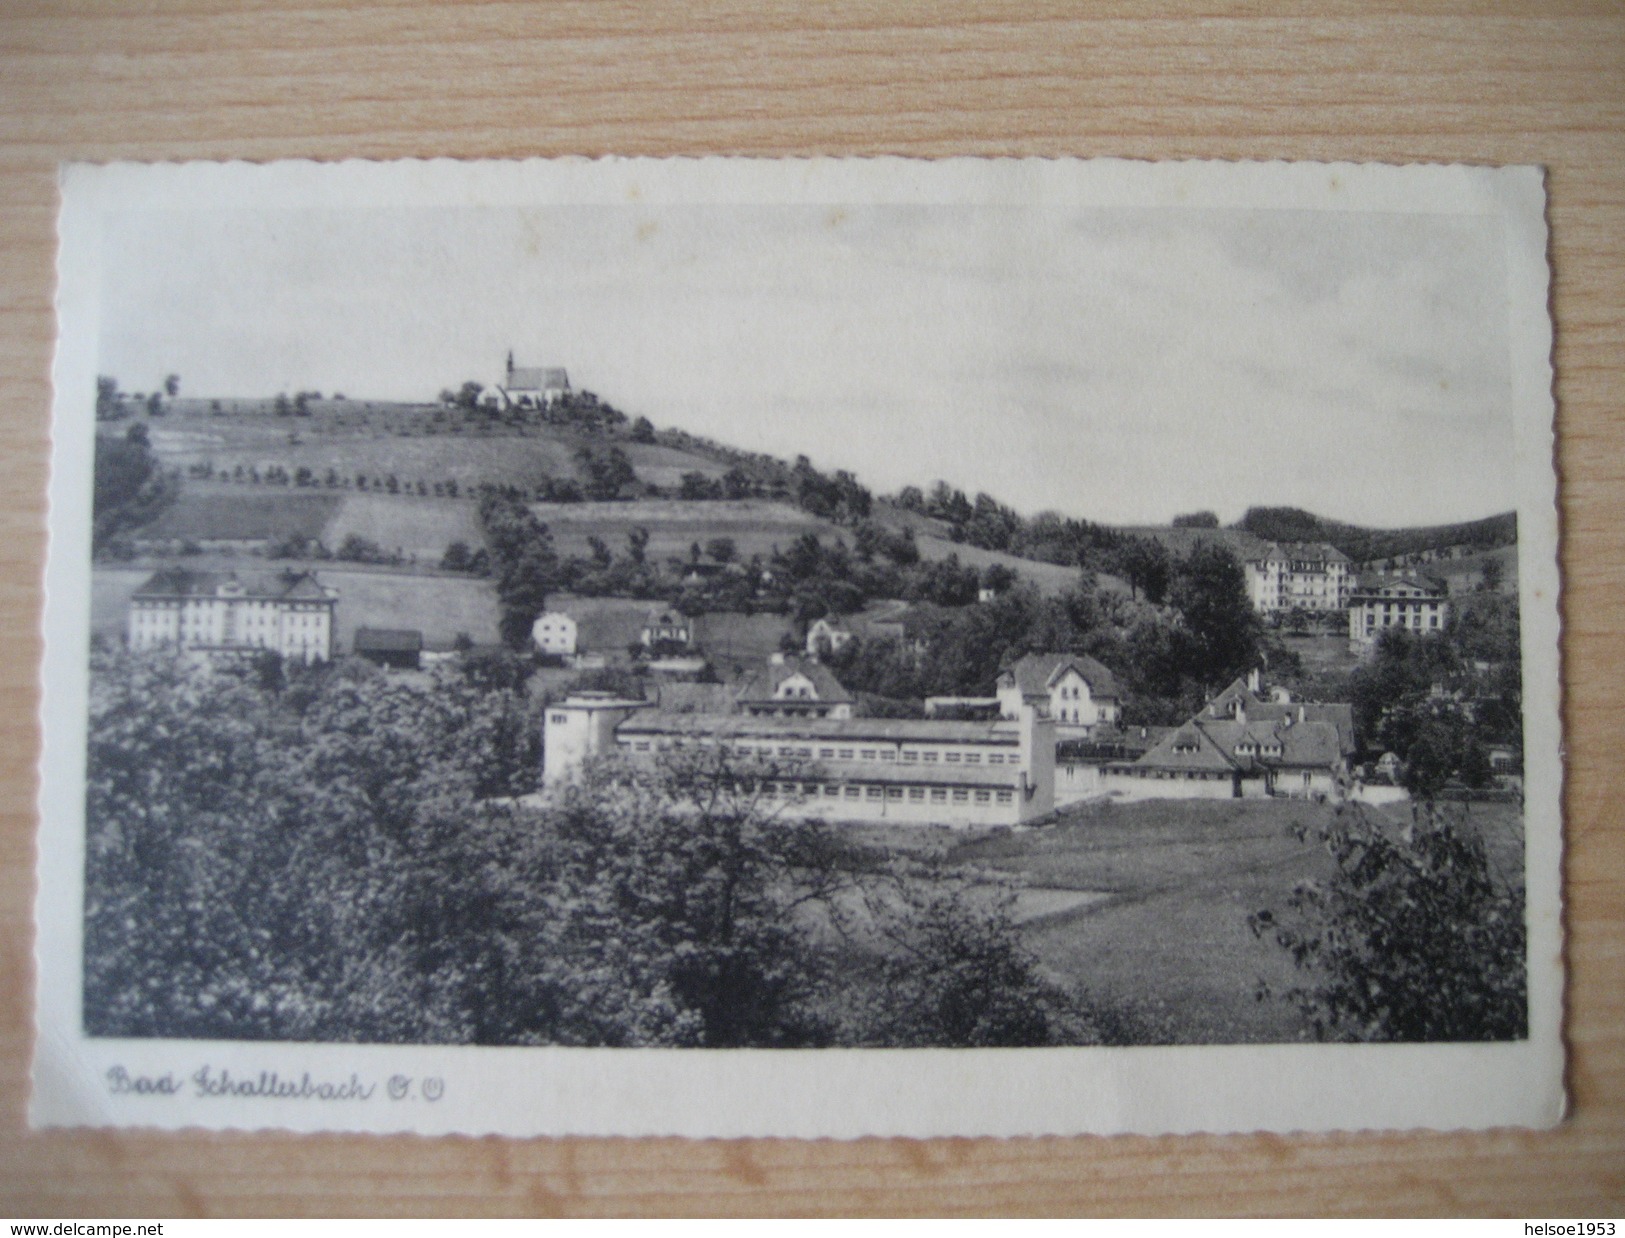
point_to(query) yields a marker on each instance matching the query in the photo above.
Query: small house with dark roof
(826, 636)
(223, 613)
(793, 688)
(1080, 693)
(666, 627)
(399, 648)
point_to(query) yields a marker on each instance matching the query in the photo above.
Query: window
(852, 793)
(642, 745)
(868, 754)
(846, 754)
(952, 758)
(973, 758)
(995, 758)
(961, 795)
(1006, 797)
(916, 793)
(826, 754)
(831, 791)
(873, 793)
(929, 758)
(910, 756)
(559, 719)
(939, 795)
(982, 797)
(894, 793)
(787, 751)
(804, 752)
(886, 754)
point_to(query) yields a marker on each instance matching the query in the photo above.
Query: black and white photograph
(1100, 613)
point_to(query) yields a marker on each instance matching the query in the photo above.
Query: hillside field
(1165, 935)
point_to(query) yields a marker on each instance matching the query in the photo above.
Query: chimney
(1253, 680)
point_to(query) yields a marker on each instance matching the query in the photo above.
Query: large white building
(1285, 576)
(289, 613)
(841, 769)
(1408, 602)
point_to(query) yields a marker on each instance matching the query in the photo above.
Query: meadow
(1144, 905)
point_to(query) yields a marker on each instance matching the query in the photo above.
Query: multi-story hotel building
(289, 613)
(1298, 575)
(1408, 602)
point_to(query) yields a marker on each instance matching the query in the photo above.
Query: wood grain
(189, 79)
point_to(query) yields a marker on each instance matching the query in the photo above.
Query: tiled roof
(1301, 551)
(388, 640)
(895, 730)
(1036, 673)
(761, 684)
(538, 378)
(180, 582)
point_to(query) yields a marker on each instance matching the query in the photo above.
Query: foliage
(130, 487)
(333, 854)
(1413, 938)
(1291, 524)
(522, 560)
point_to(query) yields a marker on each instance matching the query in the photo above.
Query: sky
(1112, 364)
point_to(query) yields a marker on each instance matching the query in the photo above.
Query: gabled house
(793, 688)
(666, 627)
(1079, 692)
(826, 636)
(1244, 744)
(1285, 576)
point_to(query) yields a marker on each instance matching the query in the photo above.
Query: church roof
(538, 378)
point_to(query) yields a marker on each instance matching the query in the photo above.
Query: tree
(172, 385)
(1196, 520)
(721, 549)
(130, 488)
(1413, 938)
(643, 431)
(107, 397)
(1210, 591)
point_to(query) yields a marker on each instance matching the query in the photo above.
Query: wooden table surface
(205, 79)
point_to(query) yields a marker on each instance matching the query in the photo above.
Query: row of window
(915, 795)
(908, 756)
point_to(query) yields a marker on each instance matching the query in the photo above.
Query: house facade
(793, 688)
(1410, 602)
(667, 627)
(1244, 743)
(1079, 693)
(841, 769)
(826, 636)
(1298, 575)
(288, 613)
(554, 632)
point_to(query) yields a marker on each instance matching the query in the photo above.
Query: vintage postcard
(801, 648)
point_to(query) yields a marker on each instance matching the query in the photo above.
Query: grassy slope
(1171, 942)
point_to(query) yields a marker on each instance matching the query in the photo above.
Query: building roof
(1304, 745)
(695, 698)
(762, 684)
(665, 617)
(538, 378)
(388, 640)
(894, 730)
(180, 582)
(1295, 552)
(1037, 673)
(1379, 586)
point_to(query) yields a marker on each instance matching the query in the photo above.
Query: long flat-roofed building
(858, 769)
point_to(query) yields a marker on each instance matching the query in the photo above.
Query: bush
(1413, 938)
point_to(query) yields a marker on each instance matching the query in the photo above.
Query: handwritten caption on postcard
(221, 1083)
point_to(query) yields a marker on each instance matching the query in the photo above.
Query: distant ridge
(1293, 524)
